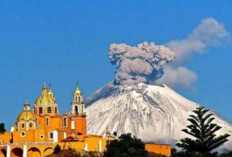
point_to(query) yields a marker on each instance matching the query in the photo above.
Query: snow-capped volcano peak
(150, 112)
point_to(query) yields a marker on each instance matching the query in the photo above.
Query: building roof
(26, 115)
(46, 98)
(69, 139)
(77, 92)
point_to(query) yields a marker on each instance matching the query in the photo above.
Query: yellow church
(38, 130)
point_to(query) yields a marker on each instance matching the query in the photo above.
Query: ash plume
(209, 33)
(143, 63)
(148, 62)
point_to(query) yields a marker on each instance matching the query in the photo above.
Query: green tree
(2, 128)
(203, 130)
(176, 153)
(57, 149)
(227, 154)
(126, 146)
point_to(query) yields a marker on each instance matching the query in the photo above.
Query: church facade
(38, 129)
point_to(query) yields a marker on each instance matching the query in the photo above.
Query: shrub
(126, 146)
(57, 149)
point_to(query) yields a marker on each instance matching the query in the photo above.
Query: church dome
(50, 93)
(46, 98)
(77, 91)
(26, 115)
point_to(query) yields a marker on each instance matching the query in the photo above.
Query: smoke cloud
(178, 77)
(208, 33)
(142, 63)
(148, 62)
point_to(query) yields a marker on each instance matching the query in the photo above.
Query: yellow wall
(93, 143)
(80, 125)
(42, 132)
(159, 149)
(91, 140)
(28, 137)
(5, 138)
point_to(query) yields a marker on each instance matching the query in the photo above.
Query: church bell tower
(78, 106)
(78, 113)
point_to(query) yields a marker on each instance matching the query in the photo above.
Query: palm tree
(203, 130)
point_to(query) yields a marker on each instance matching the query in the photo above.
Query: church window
(76, 110)
(23, 125)
(51, 135)
(56, 110)
(30, 125)
(49, 110)
(41, 136)
(47, 121)
(79, 99)
(65, 121)
(23, 134)
(40, 110)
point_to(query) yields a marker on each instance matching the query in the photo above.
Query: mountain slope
(151, 112)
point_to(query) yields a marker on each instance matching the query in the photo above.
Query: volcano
(153, 113)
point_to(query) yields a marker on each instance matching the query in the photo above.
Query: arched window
(23, 125)
(79, 99)
(49, 110)
(56, 110)
(76, 110)
(30, 125)
(51, 135)
(65, 121)
(40, 110)
(47, 121)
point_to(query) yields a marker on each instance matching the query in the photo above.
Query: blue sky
(62, 42)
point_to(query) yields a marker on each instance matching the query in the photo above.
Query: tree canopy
(57, 149)
(2, 128)
(126, 146)
(203, 131)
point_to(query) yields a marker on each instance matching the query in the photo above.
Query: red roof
(69, 139)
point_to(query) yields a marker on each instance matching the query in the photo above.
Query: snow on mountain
(151, 112)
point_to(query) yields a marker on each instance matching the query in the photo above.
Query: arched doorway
(48, 151)
(16, 152)
(3, 153)
(34, 152)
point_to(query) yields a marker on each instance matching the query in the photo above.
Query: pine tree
(203, 130)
